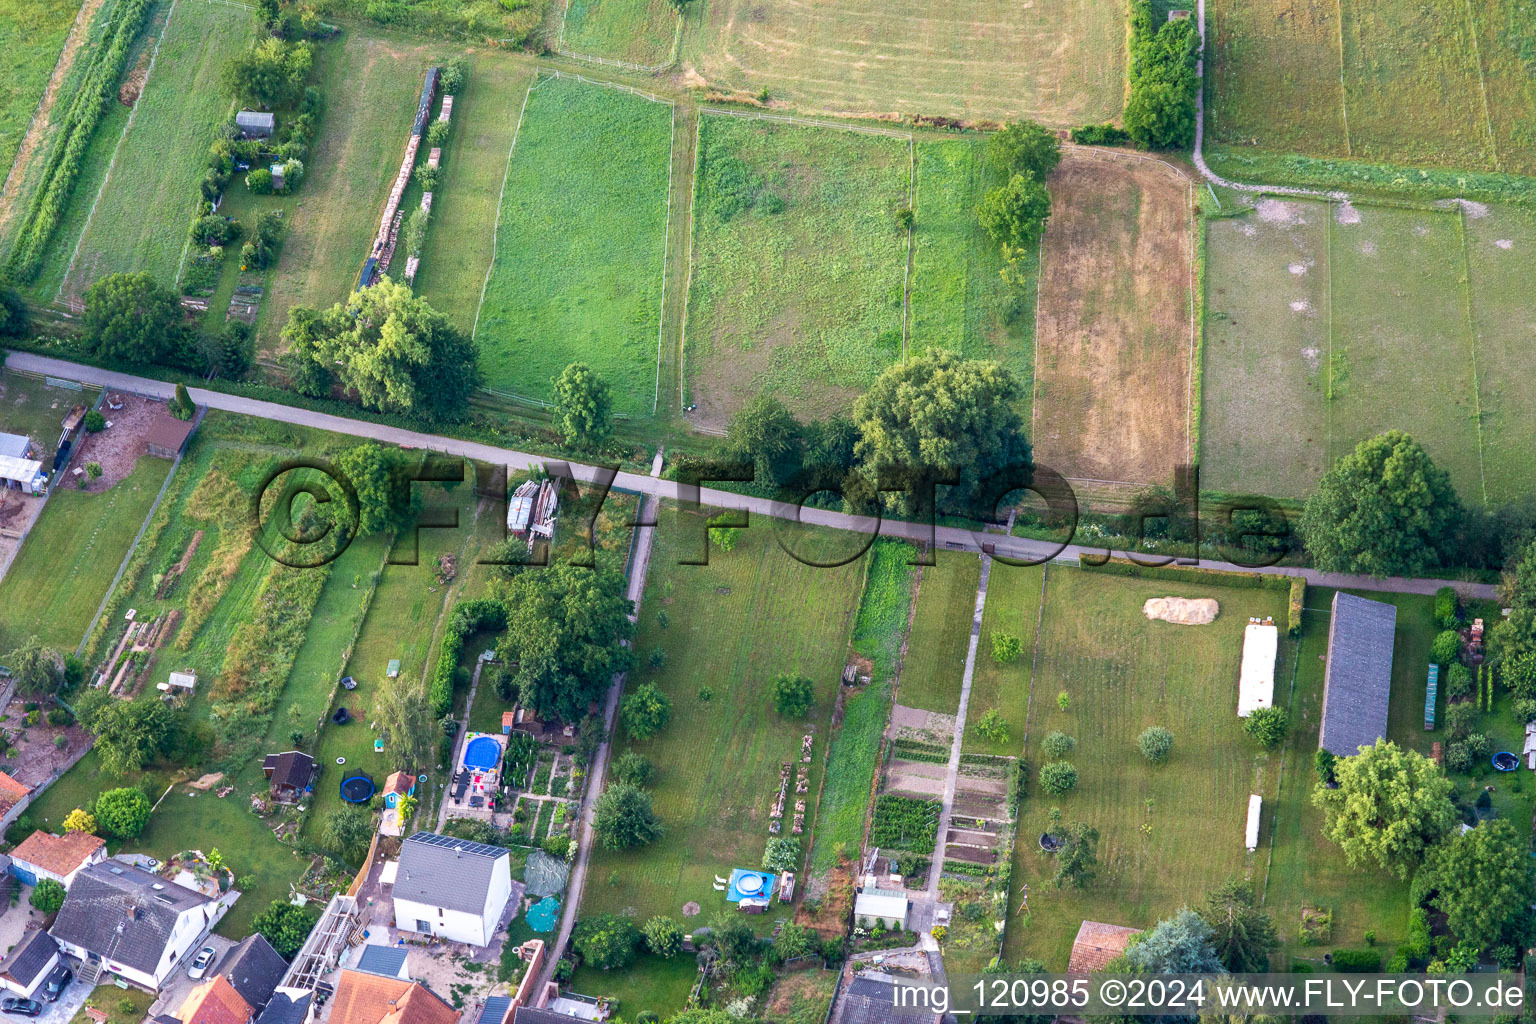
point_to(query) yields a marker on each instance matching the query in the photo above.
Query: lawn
(1061, 63)
(730, 627)
(579, 242)
(651, 983)
(32, 34)
(458, 248)
(140, 221)
(798, 265)
(1444, 82)
(633, 31)
(1168, 833)
(1368, 304)
(372, 81)
(941, 632)
(67, 562)
(802, 997)
(1013, 607)
(1114, 343)
(959, 299)
(29, 406)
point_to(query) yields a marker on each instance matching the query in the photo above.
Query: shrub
(1446, 647)
(1057, 745)
(95, 422)
(1058, 778)
(634, 769)
(792, 694)
(259, 181)
(1447, 608)
(437, 135)
(1458, 758)
(1323, 762)
(1268, 726)
(991, 727)
(1161, 80)
(1460, 718)
(1524, 709)
(1458, 682)
(1297, 606)
(1100, 135)
(1155, 743)
(1005, 647)
(48, 896)
(1357, 961)
(1479, 747)
(453, 76)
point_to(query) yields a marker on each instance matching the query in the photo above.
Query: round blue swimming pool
(482, 753)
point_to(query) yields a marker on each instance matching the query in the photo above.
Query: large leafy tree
(941, 413)
(347, 832)
(393, 349)
(566, 631)
(48, 896)
(1024, 147)
(646, 711)
(1242, 934)
(129, 317)
(37, 669)
(1179, 945)
(663, 937)
(375, 476)
(1482, 881)
(1160, 100)
(285, 926)
(14, 318)
(1077, 855)
(1391, 806)
(1385, 509)
(624, 818)
(123, 812)
(765, 433)
(583, 406)
(404, 715)
(130, 734)
(269, 74)
(607, 941)
(1512, 641)
(1014, 214)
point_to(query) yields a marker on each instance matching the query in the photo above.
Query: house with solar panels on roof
(451, 888)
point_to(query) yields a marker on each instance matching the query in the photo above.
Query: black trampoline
(341, 716)
(357, 789)
(1049, 843)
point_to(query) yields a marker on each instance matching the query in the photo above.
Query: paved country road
(948, 537)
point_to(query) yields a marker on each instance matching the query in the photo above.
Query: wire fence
(611, 62)
(557, 73)
(809, 121)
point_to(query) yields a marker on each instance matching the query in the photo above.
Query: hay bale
(1182, 611)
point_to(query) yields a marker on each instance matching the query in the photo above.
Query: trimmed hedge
(1298, 604)
(467, 617)
(1192, 574)
(96, 91)
(1357, 961)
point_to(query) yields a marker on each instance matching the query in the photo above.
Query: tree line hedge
(468, 617)
(78, 124)
(1160, 102)
(1193, 574)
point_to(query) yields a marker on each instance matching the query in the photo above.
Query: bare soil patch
(1112, 368)
(122, 444)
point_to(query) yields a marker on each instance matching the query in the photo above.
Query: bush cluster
(1160, 105)
(468, 617)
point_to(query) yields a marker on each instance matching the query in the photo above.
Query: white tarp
(1256, 685)
(22, 471)
(1255, 809)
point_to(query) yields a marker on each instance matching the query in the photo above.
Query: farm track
(679, 262)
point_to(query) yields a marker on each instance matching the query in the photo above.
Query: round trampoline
(1049, 843)
(543, 915)
(1505, 761)
(357, 789)
(482, 753)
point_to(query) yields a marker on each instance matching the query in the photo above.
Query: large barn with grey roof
(1357, 686)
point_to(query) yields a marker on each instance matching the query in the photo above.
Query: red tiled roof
(59, 854)
(215, 1001)
(1097, 944)
(374, 999)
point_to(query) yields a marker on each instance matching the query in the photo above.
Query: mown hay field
(1113, 339)
(32, 34)
(140, 220)
(1167, 833)
(934, 668)
(1061, 63)
(798, 265)
(1329, 324)
(1444, 82)
(729, 628)
(580, 237)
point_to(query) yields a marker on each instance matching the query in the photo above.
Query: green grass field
(634, 31)
(798, 265)
(1063, 64)
(1124, 673)
(32, 33)
(458, 248)
(29, 406)
(579, 243)
(1380, 305)
(959, 300)
(732, 625)
(1444, 83)
(941, 632)
(140, 221)
(651, 983)
(1013, 606)
(66, 564)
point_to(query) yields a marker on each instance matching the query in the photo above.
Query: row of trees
(1161, 81)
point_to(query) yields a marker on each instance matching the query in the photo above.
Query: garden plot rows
(1328, 324)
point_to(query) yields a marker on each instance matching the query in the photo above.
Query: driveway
(178, 985)
(63, 1011)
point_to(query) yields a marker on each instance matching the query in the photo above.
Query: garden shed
(184, 682)
(1256, 683)
(22, 474)
(1357, 684)
(1096, 945)
(167, 437)
(15, 446)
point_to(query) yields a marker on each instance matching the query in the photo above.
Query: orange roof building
(1097, 944)
(215, 1001)
(45, 855)
(374, 999)
(11, 793)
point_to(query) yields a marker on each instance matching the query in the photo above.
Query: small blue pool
(482, 753)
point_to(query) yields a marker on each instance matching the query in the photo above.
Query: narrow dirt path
(31, 141)
(675, 279)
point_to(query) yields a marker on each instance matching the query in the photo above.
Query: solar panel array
(462, 845)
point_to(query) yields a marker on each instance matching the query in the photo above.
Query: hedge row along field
(32, 32)
(74, 135)
(577, 275)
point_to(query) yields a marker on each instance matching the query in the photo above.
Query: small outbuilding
(24, 475)
(28, 963)
(884, 906)
(1096, 945)
(291, 775)
(15, 446)
(256, 124)
(167, 437)
(179, 682)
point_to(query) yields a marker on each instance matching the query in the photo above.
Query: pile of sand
(1182, 611)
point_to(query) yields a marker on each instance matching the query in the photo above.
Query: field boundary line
(611, 62)
(557, 73)
(1349, 150)
(1034, 389)
(1189, 393)
(666, 238)
(1328, 367)
(500, 198)
(906, 275)
(1466, 308)
(811, 121)
(86, 227)
(1482, 86)
(1274, 817)
(1034, 660)
(682, 338)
